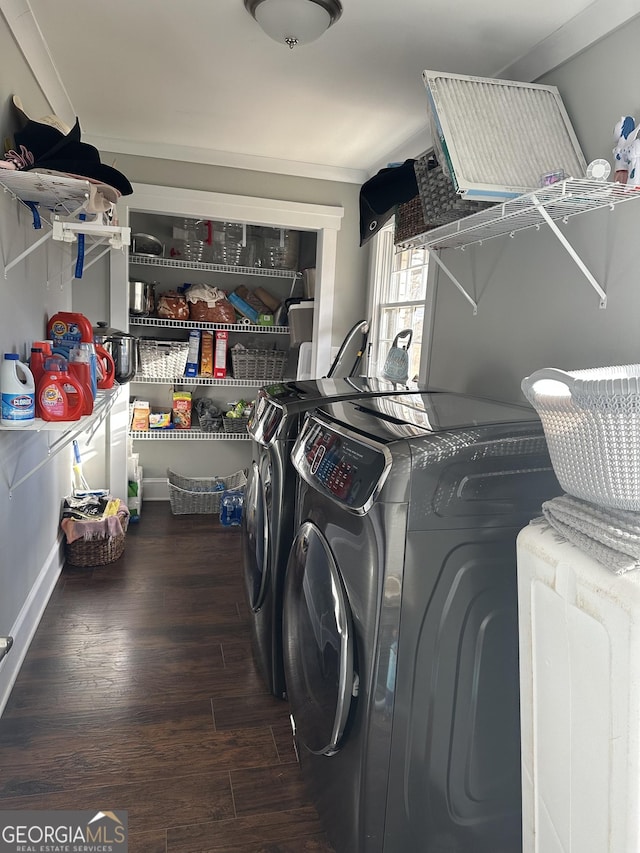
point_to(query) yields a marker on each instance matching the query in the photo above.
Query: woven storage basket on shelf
(265, 364)
(86, 553)
(235, 425)
(591, 420)
(409, 221)
(199, 495)
(440, 202)
(163, 359)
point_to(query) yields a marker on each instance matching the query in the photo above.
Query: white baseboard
(28, 620)
(155, 489)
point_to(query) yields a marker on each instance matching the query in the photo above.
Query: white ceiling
(199, 80)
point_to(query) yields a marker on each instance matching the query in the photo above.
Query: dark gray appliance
(268, 518)
(400, 618)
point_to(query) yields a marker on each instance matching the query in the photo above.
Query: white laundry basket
(591, 420)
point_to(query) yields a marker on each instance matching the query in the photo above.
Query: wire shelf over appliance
(561, 201)
(174, 263)
(545, 206)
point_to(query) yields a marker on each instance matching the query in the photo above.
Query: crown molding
(589, 26)
(211, 157)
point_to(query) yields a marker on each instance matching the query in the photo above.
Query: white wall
(535, 307)
(30, 556)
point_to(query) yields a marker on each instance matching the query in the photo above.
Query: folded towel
(100, 528)
(611, 536)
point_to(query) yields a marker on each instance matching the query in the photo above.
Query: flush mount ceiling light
(294, 22)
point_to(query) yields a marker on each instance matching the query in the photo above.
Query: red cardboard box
(220, 355)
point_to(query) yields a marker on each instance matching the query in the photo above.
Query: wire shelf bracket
(546, 205)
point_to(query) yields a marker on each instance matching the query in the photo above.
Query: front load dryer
(268, 519)
(400, 618)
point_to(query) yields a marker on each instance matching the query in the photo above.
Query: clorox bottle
(60, 395)
(17, 387)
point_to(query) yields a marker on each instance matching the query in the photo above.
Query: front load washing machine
(268, 518)
(400, 618)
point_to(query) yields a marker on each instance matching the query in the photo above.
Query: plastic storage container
(579, 641)
(231, 505)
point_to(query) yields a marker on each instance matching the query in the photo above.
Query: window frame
(383, 252)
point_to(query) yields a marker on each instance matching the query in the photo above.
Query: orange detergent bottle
(60, 396)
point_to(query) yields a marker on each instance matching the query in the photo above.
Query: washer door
(256, 538)
(318, 643)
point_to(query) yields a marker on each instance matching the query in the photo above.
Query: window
(399, 292)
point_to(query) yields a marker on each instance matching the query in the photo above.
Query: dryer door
(318, 643)
(256, 537)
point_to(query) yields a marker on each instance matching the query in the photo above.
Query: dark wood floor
(139, 692)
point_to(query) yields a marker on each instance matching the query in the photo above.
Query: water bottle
(231, 504)
(18, 391)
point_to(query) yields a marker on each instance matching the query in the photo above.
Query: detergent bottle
(45, 346)
(106, 367)
(36, 363)
(60, 395)
(80, 368)
(18, 392)
(69, 326)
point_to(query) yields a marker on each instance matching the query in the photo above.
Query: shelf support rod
(447, 272)
(572, 252)
(27, 252)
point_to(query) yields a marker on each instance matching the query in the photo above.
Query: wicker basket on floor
(200, 495)
(87, 553)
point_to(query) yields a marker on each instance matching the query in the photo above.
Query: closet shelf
(137, 320)
(174, 263)
(185, 435)
(545, 206)
(203, 380)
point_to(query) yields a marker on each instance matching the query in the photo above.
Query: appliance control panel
(347, 469)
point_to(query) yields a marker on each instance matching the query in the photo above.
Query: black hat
(83, 161)
(380, 195)
(42, 146)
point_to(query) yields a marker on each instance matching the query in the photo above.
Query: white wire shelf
(186, 435)
(174, 263)
(203, 380)
(57, 193)
(63, 197)
(545, 206)
(560, 201)
(138, 320)
(60, 434)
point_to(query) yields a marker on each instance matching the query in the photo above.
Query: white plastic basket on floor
(591, 420)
